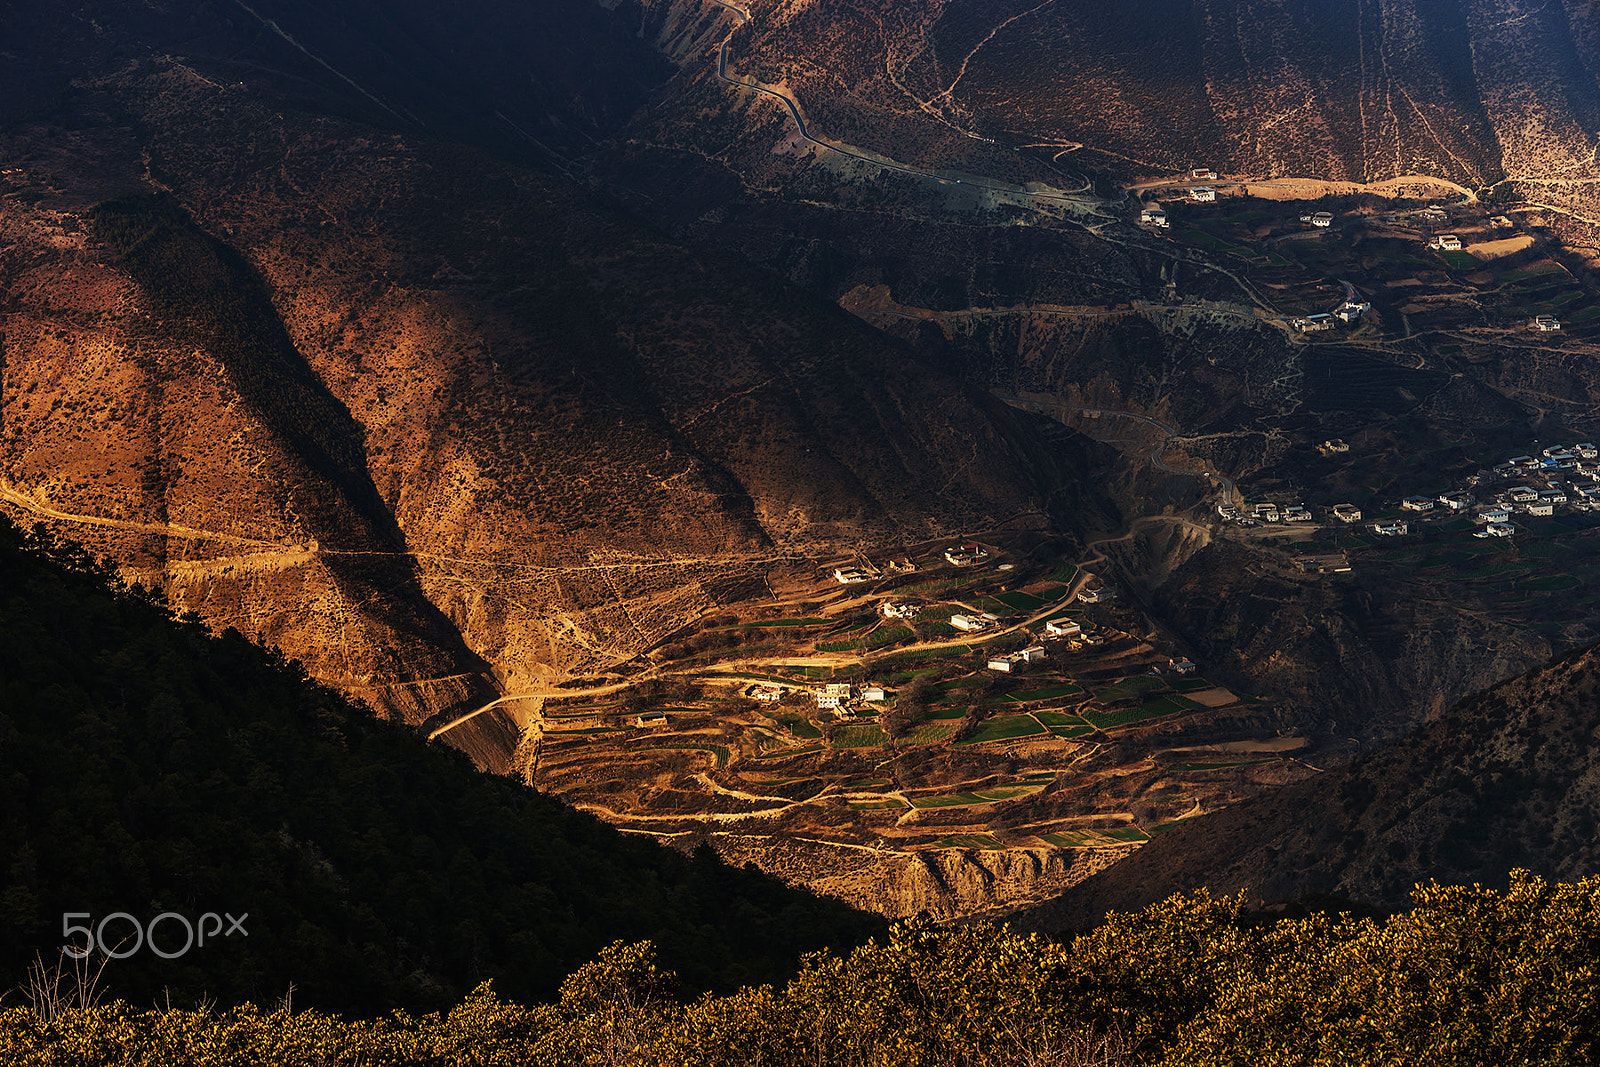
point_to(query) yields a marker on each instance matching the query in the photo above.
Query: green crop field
(1004, 728)
(1020, 601)
(1545, 267)
(1058, 718)
(930, 733)
(948, 800)
(886, 804)
(1072, 733)
(798, 725)
(945, 714)
(1155, 709)
(1189, 685)
(860, 736)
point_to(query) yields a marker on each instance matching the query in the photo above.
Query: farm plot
(1005, 728)
(798, 725)
(930, 733)
(1155, 709)
(862, 735)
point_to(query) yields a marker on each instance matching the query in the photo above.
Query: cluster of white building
(1563, 476)
(1011, 660)
(842, 694)
(1348, 312)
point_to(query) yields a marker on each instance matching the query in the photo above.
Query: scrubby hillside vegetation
(1469, 976)
(1506, 779)
(148, 767)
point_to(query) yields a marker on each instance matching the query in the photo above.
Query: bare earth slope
(1358, 90)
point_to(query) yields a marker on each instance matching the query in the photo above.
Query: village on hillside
(984, 693)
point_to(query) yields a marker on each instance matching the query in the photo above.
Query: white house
(1498, 529)
(1001, 663)
(768, 694)
(1154, 216)
(851, 575)
(1417, 503)
(1314, 323)
(1266, 512)
(1521, 494)
(966, 555)
(1183, 666)
(650, 718)
(874, 694)
(1097, 595)
(1586, 450)
(1351, 310)
(1062, 628)
(1347, 513)
(1552, 496)
(969, 623)
(833, 694)
(1391, 528)
(1457, 501)
(1203, 193)
(1446, 242)
(1323, 219)
(1296, 513)
(1539, 510)
(1031, 654)
(892, 610)
(1202, 174)
(1546, 323)
(1493, 515)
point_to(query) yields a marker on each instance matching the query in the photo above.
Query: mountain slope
(146, 767)
(531, 436)
(1472, 91)
(1508, 778)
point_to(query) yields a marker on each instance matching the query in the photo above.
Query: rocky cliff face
(945, 883)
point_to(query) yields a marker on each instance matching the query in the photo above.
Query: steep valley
(542, 377)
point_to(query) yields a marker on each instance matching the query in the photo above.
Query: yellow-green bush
(1470, 976)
